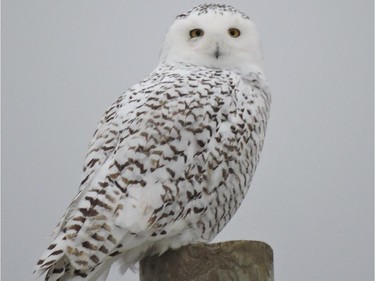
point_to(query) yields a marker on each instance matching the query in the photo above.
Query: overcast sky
(65, 62)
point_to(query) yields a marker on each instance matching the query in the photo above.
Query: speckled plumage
(169, 164)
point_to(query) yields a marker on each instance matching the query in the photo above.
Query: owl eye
(234, 32)
(196, 33)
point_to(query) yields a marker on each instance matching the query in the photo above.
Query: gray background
(65, 61)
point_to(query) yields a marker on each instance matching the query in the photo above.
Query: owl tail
(62, 270)
(52, 259)
(56, 267)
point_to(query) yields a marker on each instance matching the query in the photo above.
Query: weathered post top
(232, 260)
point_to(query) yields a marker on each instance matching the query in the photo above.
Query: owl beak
(217, 52)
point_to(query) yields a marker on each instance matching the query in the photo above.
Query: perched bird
(173, 157)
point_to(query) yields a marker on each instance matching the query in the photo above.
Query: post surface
(232, 260)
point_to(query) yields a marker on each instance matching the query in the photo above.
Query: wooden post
(227, 261)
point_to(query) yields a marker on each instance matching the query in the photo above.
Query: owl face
(223, 40)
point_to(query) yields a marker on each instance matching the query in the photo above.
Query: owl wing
(102, 145)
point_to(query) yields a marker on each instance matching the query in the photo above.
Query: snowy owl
(173, 157)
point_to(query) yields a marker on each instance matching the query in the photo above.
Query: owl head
(213, 35)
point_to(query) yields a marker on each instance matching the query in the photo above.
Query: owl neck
(241, 69)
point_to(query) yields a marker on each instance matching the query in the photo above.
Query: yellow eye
(196, 33)
(234, 32)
